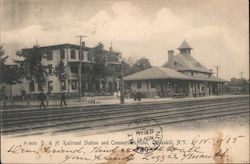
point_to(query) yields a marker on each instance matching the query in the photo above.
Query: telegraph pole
(122, 84)
(217, 70)
(241, 74)
(94, 32)
(80, 65)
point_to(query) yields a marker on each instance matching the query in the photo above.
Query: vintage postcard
(124, 81)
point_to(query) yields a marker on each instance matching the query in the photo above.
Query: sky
(216, 30)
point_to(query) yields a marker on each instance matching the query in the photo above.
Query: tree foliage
(240, 83)
(106, 62)
(31, 67)
(237, 82)
(11, 75)
(2, 63)
(132, 65)
(60, 71)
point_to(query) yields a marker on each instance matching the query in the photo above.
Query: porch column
(210, 89)
(190, 89)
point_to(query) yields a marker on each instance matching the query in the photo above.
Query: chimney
(170, 58)
(83, 44)
(110, 48)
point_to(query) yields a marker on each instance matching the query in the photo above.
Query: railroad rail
(110, 118)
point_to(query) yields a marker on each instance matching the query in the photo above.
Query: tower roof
(184, 45)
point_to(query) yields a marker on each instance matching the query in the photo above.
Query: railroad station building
(69, 54)
(182, 75)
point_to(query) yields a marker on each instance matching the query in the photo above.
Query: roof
(156, 73)
(187, 63)
(211, 79)
(58, 46)
(184, 45)
(67, 45)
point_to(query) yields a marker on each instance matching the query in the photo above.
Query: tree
(237, 82)
(2, 63)
(131, 65)
(99, 56)
(31, 67)
(106, 63)
(11, 76)
(60, 72)
(141, 64)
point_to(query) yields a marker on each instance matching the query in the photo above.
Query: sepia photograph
(124, 81)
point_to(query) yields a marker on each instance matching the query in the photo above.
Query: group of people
(42, 97)
(137, 95)
(117, 94)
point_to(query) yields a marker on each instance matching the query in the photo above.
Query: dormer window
(185, 48)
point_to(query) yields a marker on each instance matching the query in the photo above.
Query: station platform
(74, 103)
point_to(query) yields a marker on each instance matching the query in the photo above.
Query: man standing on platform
(42, 97)
(63, 97)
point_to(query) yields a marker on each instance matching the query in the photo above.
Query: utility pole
(80, 65)
(217, 70)
(241, 74)
(94, 31)
(122, 84)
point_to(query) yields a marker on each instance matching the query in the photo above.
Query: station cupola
(185, 48)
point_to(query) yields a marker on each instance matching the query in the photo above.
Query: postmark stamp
(145, 135)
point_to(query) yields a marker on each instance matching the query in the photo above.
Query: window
(62, 54)
(138, 84)
(49, 55)
(40, 86)
(192, 74)
(152, 84)
(63, 85)
(73, 54)
(175, 63)
(73, 85)
(50, 85)
(50, 71)
(32, 86)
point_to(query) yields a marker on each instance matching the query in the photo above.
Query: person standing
(135, 95)
(42, 97)
(139, 95)
(63, 97)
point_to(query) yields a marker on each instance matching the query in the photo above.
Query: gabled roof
(184, 45)
(187, 63)
(156, 73)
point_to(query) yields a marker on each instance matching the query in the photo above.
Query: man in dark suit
(42, 97)
(63, 97)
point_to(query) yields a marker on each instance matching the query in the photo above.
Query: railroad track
(114, 118)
